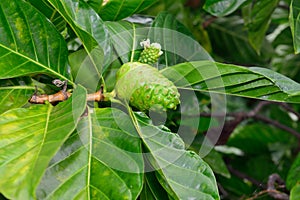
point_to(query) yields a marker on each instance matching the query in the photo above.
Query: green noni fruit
(145, 87)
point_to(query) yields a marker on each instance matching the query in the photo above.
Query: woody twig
(62, 95)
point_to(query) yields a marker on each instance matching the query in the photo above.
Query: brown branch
(278, 125)
(273, 181)
(63, 95)
(289, 109)
(241, 175)
(230, 125)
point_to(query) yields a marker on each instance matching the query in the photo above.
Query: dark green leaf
(176, 40)
(230, 42)
(101, 160)
(182, 173)
(221, 8)
(236, 187)
(29, 43)
(253, 82)
(44, 7)
(152, 189)
(294, 174)
(126, 38)
(215, 160)
(83, 71)
(295, 23)
(256, 138)
(114, 10)
(259, 20)
(30, 138)
(14, 93)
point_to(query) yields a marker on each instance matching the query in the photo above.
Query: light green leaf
(101, 160)
(29, 43)
(14, 93)
(114, 10)
(182, 173)
(259, 20)
(29, 138)
(294, 174)
(295, 23)
(295, 192)
(253, 82)
(222, 8)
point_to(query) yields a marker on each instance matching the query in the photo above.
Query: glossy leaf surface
(221, 8)
(258, 21)
(101, 160)
(295, 23)
(44, 7)
(114, 10)
(182, 173)
(29, 139)
(29, 43)
(152, 188)
(253, 82)
(93, 34)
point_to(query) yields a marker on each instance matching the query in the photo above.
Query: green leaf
(126, 38)
(295, 192)
(294, 174)
(29, 43)
(222, 8)
(101, 160)
(295, 23)
(253, 82)
(259, 20)
(176, 40)
(182, 173)
(256, 138)
(82, 67)
(93, 34)
(29, 139)
(230, 42)
(152, 188)
(14, 93)
(44, 7)
(236, 187)
(213, 158)
(114, 10)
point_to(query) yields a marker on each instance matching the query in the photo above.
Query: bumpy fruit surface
(145, 87)
(150, 55)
